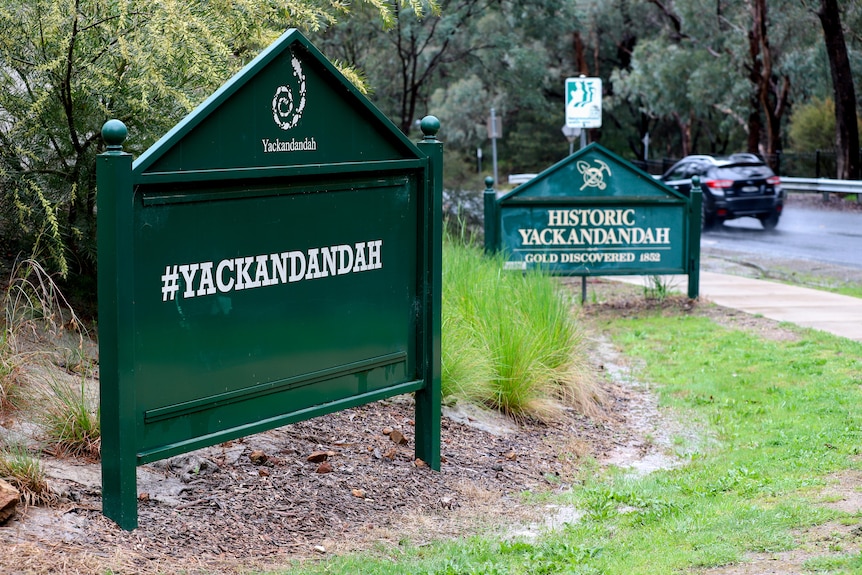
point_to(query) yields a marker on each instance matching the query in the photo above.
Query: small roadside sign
(495, 127)
(584, 102)
(571, 133)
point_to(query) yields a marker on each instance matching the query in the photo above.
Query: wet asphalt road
(833, 237)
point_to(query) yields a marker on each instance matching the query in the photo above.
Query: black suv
(734, 186)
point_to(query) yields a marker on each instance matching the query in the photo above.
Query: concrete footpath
(836, 314)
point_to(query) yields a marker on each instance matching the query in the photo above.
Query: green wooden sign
(274, 257)
(596, 214)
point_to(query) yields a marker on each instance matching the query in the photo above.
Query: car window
(746, 170)
(681, 171)
(701, 168)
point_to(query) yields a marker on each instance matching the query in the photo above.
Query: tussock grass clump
(510, 341)
(70, 419)
(23, 470)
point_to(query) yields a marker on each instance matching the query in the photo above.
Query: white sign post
(584, 102)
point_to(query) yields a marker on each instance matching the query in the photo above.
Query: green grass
(659, 288)
(509, 339)
(815, 281)
(784, 417)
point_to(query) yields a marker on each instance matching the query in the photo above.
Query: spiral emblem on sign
(286, 108)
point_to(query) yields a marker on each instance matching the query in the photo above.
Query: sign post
(273, 258)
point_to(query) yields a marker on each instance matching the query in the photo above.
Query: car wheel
(769, 221)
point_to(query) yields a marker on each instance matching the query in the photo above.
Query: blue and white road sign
(584, 102)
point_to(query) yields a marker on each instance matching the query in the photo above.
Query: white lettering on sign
(580, 258)
(598, 257)
(580, 227)
(592, 217)
(292, 145)
(249, 272)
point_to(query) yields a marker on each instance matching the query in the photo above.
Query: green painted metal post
(428, 399)
(490, 197)
(695, 222)
(115, 257)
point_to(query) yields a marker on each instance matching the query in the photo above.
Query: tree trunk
(684, 125)
(769, 99)
(846, 128)
(580, 56)
(755, 124)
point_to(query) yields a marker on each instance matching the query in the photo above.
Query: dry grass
(61, 559)
(41, 343)
(24, 472)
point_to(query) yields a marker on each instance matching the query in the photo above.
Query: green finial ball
(430, 126)
(114, 133)
(489, 182)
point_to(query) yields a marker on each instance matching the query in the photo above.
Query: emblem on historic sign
(287, 107)
(594, 177)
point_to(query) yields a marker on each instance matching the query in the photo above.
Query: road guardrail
(823, 186)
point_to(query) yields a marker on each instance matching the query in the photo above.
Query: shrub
(812, 126)
(510, 341)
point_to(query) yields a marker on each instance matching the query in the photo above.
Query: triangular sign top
(593, 172)
(287, 107)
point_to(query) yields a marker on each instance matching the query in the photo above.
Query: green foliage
(475, 55)
(68, 66)
(509, 339)
(674, 83)
(812, 126)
